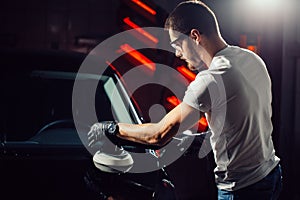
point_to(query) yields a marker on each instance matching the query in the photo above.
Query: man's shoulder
(232, 50)
(231, 55)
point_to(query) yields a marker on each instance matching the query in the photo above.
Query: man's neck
(213, 46)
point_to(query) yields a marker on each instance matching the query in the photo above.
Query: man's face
(187, 50)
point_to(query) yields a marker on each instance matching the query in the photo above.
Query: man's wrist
(112, 128)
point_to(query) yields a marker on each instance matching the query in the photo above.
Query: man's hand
(99, 130)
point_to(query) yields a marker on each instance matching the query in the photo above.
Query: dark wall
(55, 23)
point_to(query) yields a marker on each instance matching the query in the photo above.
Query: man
(233, 89)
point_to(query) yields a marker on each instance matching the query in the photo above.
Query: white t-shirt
(235, 95)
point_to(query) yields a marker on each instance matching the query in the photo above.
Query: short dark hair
(193, 14)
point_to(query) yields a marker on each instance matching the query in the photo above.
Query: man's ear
(196, 36)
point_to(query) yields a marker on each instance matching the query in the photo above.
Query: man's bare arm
(181, 118)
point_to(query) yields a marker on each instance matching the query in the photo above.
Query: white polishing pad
(113, 163)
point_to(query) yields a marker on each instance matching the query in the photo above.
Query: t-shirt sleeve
(197, 94)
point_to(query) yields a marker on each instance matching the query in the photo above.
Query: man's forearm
(179, 119)
(151, 133)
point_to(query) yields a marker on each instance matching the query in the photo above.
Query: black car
(44, 156)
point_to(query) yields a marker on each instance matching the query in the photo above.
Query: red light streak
(173, 100)
(140, 30)
(203, 121)
(138, 56)
(144, 6)
(114, 68)
(252, 48)
(186, 73)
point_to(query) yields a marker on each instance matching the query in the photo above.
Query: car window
(40, 100)
(119, 107)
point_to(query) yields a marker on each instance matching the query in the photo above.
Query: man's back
(239, 112)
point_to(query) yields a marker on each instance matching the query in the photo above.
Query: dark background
(271, 26)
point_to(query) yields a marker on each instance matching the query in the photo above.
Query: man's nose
(178, 53)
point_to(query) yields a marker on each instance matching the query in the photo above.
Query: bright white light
(266, 4)
(254, 15)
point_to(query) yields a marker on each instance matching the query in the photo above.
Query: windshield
(42, 98)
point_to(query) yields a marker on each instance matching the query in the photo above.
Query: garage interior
(270, 28)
